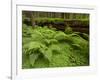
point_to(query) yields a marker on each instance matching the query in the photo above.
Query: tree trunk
(32, 18)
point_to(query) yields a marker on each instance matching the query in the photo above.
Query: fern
(44, 47)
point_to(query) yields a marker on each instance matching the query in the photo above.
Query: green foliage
(68, 30)
(44, 47)
(41, 20)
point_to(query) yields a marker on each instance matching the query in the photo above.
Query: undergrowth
(43, 47)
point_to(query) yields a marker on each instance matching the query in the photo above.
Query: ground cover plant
(44, 47)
